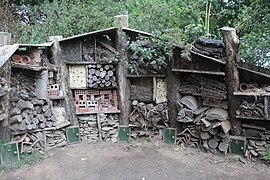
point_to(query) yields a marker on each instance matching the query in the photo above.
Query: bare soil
(138, 161)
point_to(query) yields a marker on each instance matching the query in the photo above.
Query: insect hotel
(97, 87)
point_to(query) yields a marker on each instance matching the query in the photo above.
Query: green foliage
(266, 155)
(183, 21)
(152, 52)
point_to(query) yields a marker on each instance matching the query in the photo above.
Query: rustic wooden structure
(207, 96)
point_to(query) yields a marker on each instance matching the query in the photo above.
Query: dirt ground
(138, 161)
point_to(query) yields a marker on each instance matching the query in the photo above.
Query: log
(107, 83)
(213, 131)
(21, 104)
(22, 125)
(15, 119)
(159, 107)
(42, 125)
(205, 135)
(223, 147)
(15, 111)
(35, 121)
(212, 143)
(110, 73)
(41, 118)
(134, 102)
(213, 151)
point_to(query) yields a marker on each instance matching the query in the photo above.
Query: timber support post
(5, 72)
(231, 41)
(173, 82)
(121, 22)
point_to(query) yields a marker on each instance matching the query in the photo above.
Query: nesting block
(10, 153)
(95, 100)
(77, 76)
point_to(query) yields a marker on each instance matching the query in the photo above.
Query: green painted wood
(73, 134)
(237, 145)
(10, 153)
(170, 136)
(124, 133)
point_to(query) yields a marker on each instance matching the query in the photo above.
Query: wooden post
(5, 71)
(63, 81)
(173, 82)
(121, 22)
(231, 42)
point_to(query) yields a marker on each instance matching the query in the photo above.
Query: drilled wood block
(77, 76)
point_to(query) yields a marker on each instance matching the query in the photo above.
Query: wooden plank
(249, 118)
(6, 52)
(93, 33)
(97, 112)
(126, 29)
(26, 66)
(85, 62)
(144, 75)
(56, 97)
(252, 71)
(199, 72)
(239, 93)
(207, 57)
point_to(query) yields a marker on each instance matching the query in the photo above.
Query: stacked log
(214, 140)
(109, 127)
(27, 112)
(55, 139)
(255, 148)
(30, 142)
(251, 109)
(88, 128)
(203, 123)
(100, 76)
(138, 132)
(203, 86)
(3, 91)
(149, 115)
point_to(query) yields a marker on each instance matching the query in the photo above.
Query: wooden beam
(199, 72)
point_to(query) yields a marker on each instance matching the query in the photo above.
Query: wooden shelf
(251, 118)
(199, 72)
(89, 88)
(98, 112)
(57, 97)
(144, 75)
(86, 62)
(239, 93)
(26, 66)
